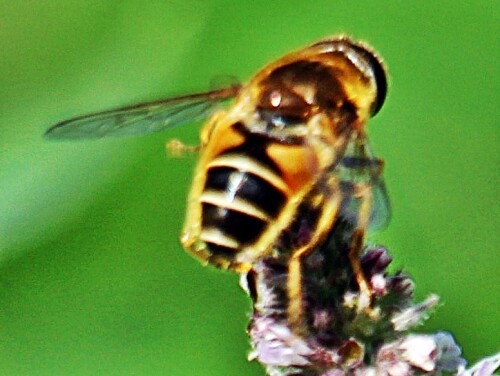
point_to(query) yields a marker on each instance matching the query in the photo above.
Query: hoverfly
(281, 164)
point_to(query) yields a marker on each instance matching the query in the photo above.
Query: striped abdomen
(243, 195)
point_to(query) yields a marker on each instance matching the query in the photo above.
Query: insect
(279, 166)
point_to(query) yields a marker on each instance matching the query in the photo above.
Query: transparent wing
(381, 208)
(358, 167)
(143, 118)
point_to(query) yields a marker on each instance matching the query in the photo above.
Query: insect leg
(295, 308)
(176, 148)
(356, 248)
(364, 176)
(325, 198)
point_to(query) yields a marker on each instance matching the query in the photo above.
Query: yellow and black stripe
(243, 194)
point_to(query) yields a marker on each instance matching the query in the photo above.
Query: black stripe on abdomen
(242, 227)
(251, 188)
(218, 250)
(254, 147)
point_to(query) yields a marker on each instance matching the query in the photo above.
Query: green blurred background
(92, 278)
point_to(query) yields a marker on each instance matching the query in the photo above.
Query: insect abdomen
(241, 197)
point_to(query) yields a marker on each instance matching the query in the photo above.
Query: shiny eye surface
(278, 120)
(281, 108)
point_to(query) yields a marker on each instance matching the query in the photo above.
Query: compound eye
(379, 73)
(281, 107)
(381, 81)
